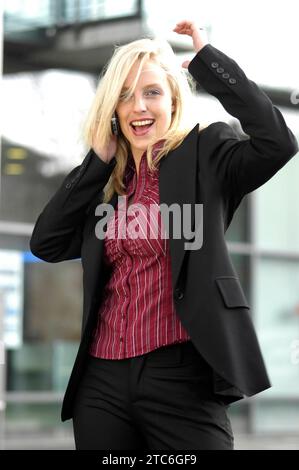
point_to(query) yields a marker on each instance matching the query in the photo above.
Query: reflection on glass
(276, 286)
(52, 328)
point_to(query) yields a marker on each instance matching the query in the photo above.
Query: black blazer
(213, 167)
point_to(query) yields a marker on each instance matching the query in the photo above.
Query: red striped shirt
(137, 313)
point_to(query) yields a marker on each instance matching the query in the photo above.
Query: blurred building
(54, 52)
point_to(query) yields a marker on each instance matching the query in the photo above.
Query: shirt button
(68, 185)
(121, 339)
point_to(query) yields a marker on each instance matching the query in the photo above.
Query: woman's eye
(155, 92)
(123, 96)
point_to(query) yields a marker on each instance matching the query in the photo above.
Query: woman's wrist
(202, 46)
(100, 156)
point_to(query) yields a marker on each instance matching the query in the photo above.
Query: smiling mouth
(141, 130)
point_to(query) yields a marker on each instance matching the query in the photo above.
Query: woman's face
(151, 100)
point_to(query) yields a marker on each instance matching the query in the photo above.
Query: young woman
(167, 338)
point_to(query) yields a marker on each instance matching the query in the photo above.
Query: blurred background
(51, 55)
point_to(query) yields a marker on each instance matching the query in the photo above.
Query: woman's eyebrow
(146, 86)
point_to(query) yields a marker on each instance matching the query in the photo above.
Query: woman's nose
(139, 104)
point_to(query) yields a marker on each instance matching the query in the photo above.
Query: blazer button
(220, 69)
(225, 75)
(214, 65)
(68, 185)
(178, 294)
(232, 81)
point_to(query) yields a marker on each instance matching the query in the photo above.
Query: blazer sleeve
(241, 165)
(57, 234)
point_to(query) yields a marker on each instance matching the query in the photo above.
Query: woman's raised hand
(199, 36)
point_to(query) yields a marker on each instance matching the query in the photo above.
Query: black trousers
(160, 400)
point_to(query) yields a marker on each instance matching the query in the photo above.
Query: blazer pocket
(231, 292)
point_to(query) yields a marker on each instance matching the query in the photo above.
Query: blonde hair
(97, 126)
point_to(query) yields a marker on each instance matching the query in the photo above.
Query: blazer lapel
(177, 185)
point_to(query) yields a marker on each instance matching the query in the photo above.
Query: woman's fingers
(185, 27)
(185, 64)
(198, 34)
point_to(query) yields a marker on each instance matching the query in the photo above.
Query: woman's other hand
(199, 36)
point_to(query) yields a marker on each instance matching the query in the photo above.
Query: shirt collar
(156, 147)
